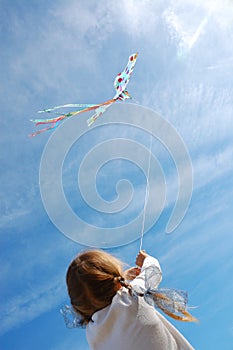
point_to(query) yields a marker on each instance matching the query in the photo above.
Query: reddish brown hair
(92, 281)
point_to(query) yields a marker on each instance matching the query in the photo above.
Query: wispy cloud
(41, 291)
(10, 219)
(183, 28)
(225, 63)
(29, 305)
(209, 167)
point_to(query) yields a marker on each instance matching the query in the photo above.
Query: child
(119, 315)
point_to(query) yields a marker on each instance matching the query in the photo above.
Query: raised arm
(145, 261)
(142, 255)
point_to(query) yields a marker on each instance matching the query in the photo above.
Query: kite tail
(99, 109)
(70, 105)
(53, 126)
(98, 112)
(54, 121)
(49, 121)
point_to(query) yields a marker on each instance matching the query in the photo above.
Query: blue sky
(57, 52)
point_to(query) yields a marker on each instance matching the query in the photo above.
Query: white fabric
(129, 323)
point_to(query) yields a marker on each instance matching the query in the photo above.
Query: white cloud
(11, 218)
(136, 18)
(29, 305)
(210, 167)
(186, 36)
(44, 280)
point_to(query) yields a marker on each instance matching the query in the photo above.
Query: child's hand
(131, 273)
(141, 257)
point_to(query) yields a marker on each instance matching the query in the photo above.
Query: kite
(120, 83)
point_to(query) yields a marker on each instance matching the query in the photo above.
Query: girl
(118, 315)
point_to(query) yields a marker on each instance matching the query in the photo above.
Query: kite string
(146, 193)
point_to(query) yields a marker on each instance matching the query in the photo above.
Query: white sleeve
(150, 261)
(139, 281)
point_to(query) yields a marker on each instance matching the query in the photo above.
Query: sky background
(57, 52)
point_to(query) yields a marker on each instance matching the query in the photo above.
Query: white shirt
(129, 323)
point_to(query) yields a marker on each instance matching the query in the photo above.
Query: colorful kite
(120, 83)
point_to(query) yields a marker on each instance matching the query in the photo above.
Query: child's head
(93, 280)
